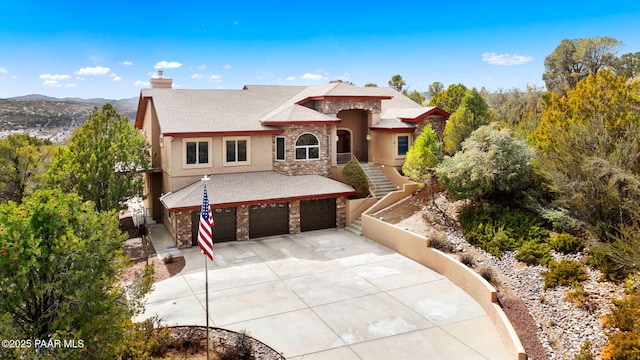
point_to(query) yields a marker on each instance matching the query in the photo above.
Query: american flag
(205, 230)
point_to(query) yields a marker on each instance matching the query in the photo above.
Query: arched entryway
(354, 128)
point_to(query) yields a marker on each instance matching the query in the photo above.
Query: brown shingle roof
(255, 187)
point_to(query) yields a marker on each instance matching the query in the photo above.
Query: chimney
(160, 82)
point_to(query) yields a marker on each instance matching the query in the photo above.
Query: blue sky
(111, 49)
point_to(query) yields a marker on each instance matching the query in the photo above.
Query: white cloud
(343, 77)
(197, 76)
(116, 78)
(167, 65)
(505, 59)
(127, 63)
(314, 77)
(226, 67)
(51, 83)
(215, 78)
(56, 77)
(291, 78)
(141, 83)
(95, 71)
(70, 85)
(202, 67)
(3, 70)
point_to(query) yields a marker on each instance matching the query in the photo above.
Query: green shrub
(565, 272)
(585, 352)
(496, 228)
(600, 259)
(355, 176)
(534, 253)
(566, 243)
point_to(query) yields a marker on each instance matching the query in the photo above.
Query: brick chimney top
(160, 82)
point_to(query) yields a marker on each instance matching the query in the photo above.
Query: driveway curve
(326, 294)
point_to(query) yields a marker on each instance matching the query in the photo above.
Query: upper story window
(237, 150)
(197, 152)
(403, 145)
(307, 147)
(280, 148)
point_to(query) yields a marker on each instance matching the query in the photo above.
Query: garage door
(268, 219)
(317, 214)
(224, 225)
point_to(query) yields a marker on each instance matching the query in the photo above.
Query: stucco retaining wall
(416, 247)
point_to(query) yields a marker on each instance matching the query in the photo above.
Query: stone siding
(341, 212)
(438, 122)
(183, 229)
(290, 166)
(294, 217)
(334, 106)
(242, 223)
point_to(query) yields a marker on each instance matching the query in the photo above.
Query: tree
(573, 60)
(448, 100)
(414, 95)
(102, 161)
(590, 149)
(397, 82)
(518, 110)
(355, 176)
(471, 114)
(422, 157)
(59, 265)
(370, 85)
(23, 163)
(435, 89)
(492, 164)
(628, 65)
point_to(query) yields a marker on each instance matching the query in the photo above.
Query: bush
(625, 318)
(600, 259)
(492, 164)
(496, 228)
(566, 243)
(566, 272)
(585, 352)
(534, 253)
(355, 176)
(468, 260)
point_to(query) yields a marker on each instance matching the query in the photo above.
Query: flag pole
(206, 290)
(205, 179)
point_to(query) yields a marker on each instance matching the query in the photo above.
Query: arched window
(307, 147)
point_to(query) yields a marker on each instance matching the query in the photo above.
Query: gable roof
(258, 108)
(235, 189)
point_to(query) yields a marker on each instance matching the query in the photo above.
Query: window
(403, 145)
(197, 152)
(280, 150)
(307, 147)
(236, 150)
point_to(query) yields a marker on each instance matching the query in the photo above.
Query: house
(272, 152)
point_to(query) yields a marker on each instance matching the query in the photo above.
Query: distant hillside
(53, 118)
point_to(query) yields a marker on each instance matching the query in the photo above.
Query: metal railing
(372, 185)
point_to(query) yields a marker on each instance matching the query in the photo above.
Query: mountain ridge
(54, 118)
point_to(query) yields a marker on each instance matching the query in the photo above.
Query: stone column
(183, 229)
(242, 223)
(341, 212)
(294, 217)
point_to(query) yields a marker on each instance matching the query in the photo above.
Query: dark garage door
(317, 214)
(268, 219)
(224, 225)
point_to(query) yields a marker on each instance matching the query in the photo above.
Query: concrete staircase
(382, 184)
(355, 227)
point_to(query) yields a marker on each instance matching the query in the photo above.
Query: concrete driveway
(326, 294)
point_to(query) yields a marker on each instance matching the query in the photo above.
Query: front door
(343, 150)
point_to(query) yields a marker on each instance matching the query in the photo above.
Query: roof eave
(263, 201)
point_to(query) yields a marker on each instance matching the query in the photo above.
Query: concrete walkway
(326, 294)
